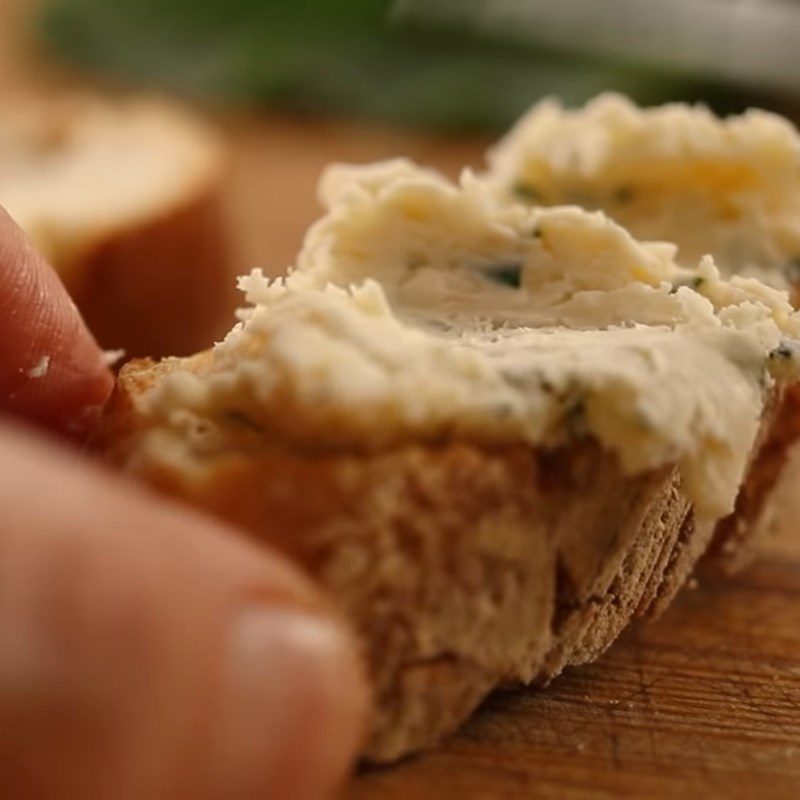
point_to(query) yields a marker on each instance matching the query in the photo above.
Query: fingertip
(52, 371)
(295, 706)
(186, 656)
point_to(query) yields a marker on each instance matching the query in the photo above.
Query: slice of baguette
(124, 199)
(493, 434)
(678, 173)
(462, 567)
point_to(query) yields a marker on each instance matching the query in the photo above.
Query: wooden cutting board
(704, 703)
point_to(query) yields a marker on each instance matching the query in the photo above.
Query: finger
(147, 652)
(51, 369)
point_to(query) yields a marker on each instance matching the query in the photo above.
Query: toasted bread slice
(729, 187)
(461, 567)
(493, 434)
(124, 199)
(676, 173)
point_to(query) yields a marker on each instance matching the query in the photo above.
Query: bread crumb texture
(40, 368)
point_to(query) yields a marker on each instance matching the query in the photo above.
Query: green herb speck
(783, 361)
(506, 274)
(693, 283)
(525, 192)
(782, 352)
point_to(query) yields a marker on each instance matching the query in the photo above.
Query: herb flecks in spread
(728, 187)
(390, 330)
(505, 274)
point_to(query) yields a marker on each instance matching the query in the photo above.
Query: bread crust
(461, 567)
(772, 480)
(162, 285)
(152, 275)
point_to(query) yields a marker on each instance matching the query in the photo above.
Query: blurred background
(295, 84)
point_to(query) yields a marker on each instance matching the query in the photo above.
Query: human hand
(145, 651)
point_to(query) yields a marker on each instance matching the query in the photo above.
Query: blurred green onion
(324, 56)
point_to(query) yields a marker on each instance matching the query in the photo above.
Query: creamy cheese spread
(728, 187)
(422, 310)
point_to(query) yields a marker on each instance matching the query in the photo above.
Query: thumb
(147, 652)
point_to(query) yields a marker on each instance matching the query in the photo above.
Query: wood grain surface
(704, 703)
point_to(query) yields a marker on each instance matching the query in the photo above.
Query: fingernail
(292, 709)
